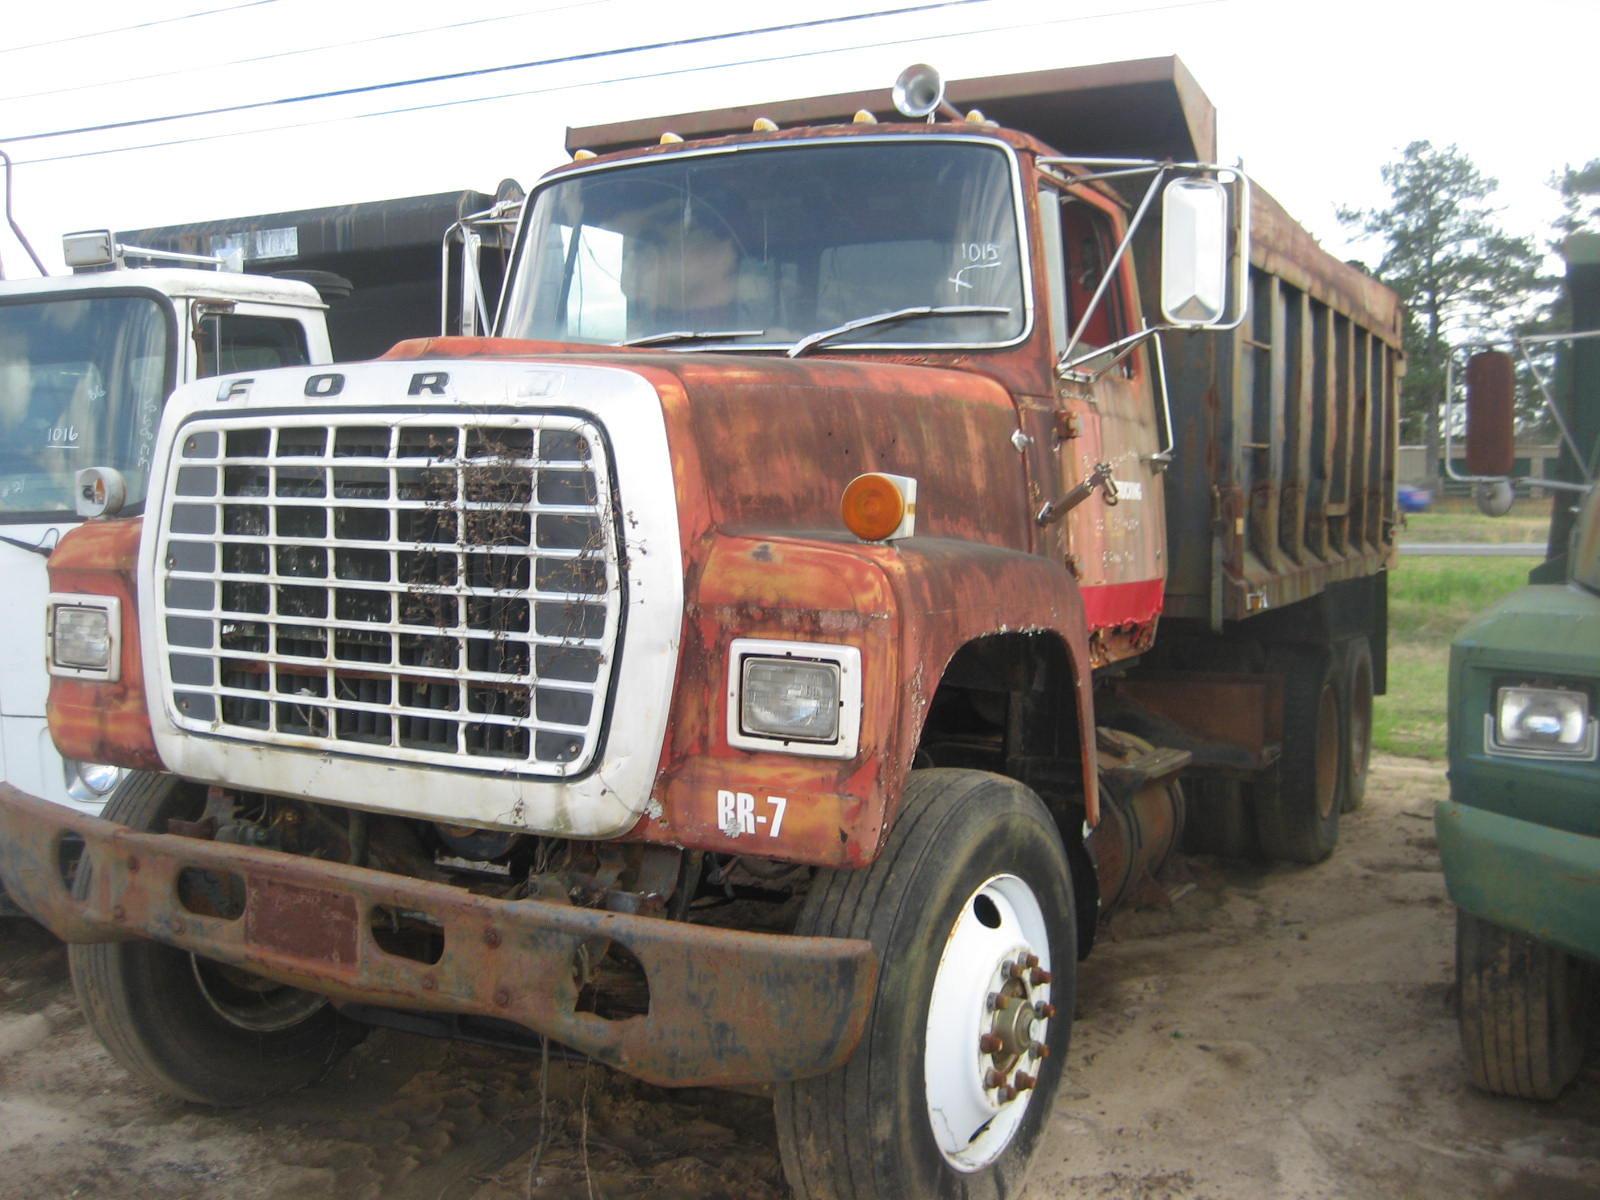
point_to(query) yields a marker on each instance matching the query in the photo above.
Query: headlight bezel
(75, 606)
(844, 660)
(1557, 692)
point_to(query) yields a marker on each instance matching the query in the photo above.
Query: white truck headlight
(83, 636)
(1544, 722)
(91, 782)
(790, 698)
(794, 697)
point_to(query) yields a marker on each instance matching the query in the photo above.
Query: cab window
(229, 342)
(1079, 244)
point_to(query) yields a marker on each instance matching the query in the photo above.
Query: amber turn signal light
(877, 507)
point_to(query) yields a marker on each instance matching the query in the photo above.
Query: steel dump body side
(1286, 432)
(388, 250)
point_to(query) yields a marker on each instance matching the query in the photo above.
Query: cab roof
(178, 282)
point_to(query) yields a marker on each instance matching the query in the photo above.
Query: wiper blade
(692, 335)
(897, 315)
(41, 549)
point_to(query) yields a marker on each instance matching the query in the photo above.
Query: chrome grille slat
(296, 615)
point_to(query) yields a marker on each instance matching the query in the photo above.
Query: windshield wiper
(692, 335)
(890, 318)
(40, 549)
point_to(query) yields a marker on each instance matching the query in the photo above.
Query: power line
(1175, 5)
(81, 37)
(703, 39)
(259, 58)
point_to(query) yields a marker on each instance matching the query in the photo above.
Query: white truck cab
(86, 363)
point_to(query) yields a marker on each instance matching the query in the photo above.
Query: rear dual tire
(1297, 814)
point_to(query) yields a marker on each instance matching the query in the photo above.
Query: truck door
(1105, 413)
(225, 339)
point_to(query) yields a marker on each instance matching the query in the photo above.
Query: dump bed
(1286, 433)
(378, 264)
(1285, 430)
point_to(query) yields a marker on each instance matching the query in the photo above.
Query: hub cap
(250, 1002)
(988, 1021)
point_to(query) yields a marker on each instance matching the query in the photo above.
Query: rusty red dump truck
(768, 657)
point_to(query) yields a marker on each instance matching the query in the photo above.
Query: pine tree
(1463, 279)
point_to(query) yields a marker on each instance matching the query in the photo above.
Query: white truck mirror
(1194, 252)
(90, 248)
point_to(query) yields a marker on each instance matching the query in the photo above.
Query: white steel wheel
(970, 909)
(988, 1021)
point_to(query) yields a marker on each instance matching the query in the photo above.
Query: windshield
(81, 385)
(774, 244)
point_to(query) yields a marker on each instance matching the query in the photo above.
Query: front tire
(193, 1028)
(970, 908)
(1523, 1010)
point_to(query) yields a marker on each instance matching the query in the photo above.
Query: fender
(908, 607)
(89, 720)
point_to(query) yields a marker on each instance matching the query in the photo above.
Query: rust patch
(303, 922)
(727, 1007)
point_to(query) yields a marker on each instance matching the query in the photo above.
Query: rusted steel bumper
(726, 1007)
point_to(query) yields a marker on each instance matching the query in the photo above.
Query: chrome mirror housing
(1194, 252)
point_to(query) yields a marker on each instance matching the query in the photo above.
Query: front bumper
(726, 1007)
(1538, 881)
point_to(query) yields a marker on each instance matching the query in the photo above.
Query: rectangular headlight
(83, 637)
(790, 698)
(1543, 721)
(794, 697)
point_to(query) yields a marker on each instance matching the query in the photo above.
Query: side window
(1079, 243)
(229, 342)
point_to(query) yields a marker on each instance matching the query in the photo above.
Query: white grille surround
(430, 609)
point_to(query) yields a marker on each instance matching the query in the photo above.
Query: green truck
(1520, 835)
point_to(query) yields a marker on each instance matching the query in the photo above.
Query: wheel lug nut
(1014, 970)
(1031, 961)
(1005, 1094)
(993, 1079)
(1039, 1050)
(998, 1001)
(989, 1044)
(1040, 976)
(1023, 1081)
(1044, 1010)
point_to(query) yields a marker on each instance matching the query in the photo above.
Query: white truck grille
(405, 587)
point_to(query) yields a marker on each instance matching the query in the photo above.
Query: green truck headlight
(1543, 722)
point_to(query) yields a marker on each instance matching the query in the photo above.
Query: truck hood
(778, 439)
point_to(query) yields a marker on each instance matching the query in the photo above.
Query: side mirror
(1491, 413)
(1194, 252)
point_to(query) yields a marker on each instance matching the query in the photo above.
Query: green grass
(1430, 599)
(1457, 519)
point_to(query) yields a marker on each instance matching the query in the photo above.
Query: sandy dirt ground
(1279, 1032)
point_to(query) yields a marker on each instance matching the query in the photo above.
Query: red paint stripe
(1111, 604)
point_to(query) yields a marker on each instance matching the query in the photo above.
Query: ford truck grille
(426, 590)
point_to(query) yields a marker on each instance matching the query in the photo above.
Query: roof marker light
(764, 125)
(863, 117)
(670, 139)
(583, 155)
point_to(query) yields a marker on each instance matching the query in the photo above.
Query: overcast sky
(1314, 95)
